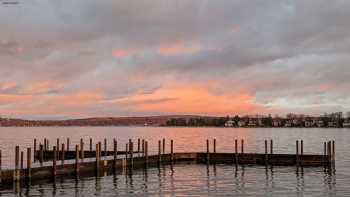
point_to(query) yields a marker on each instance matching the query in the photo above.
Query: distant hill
(98, 121)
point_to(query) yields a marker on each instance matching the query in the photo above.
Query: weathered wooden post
(100, 150)
(68, 144)
(58, 147)
(163, 145)
(138, 145)
(105, 148)
(131, 150)
(271, 147)
(214, 145)
(90, 144)
(45, 144)
(143, 148)
(146, 153)
(54, 166)
(126, 151)
(35, 142)
(301, 147)
(159, 152)
(297, 152)
(266, 154)
(77, 159)
(22, 160)
(333, 152)
(0, 166)
(172, 151)
(82, 149)
(242, 146)
(115, 149)
(48, 145)
(236, 151)
(29, 164)
(41, 154)
(208, 153)
(63, 154)
(16, 176)
(97, 158)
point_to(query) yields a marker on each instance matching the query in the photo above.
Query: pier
(43, 162)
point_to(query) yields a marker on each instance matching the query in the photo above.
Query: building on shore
(230, 123)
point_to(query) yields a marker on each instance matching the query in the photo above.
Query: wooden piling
(58, 147)
(301, 147)
(126, 151)
(0, 166)
(62, 154)
(22, 160)
(16, 178)
(333, 151)
(68, 144)
(159, 152)
(90, 144)
(297, 152)
(77, 159)
(172, 151)
(100, 150)
(271, 147)
(45, 144)
(266, 154)
(242, 146)
(208, 152)
(146, 153)
(41, 154)
(236, 151)
(214, 145)
(97, 158)
(35, 142)
(54, 164)
(163, 145)
(82, 149)
(105, 148)
(48, 145)
(115, 149)
(29, 164)
(143, 148)
(138, 145)
(131, 150)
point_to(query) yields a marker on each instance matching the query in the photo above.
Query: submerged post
(214, 145)
(159, 152)
(301, 147)
(41, 154)
(131, 149)
(29, 164)
(58, 147)
(236, 151)
(54, 166)
(16, 176)
(34, 147)
(0, 166)
(297, 152)
(271, 146)
(68, 144)
(90, 144)
(143, 147)
(208, 152)
(105, 148)
(115, 149)
(77, 159)
(138, 145)
(242, 146)
(163, 145)
(63, 154)
(266, 155)
(171, 151)
(97, 158)
(81, 149)
(22, 159)
(333, 152)
(146, 153)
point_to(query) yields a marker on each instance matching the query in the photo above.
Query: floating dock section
(60, 161)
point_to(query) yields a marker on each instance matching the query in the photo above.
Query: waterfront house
(320, 123)
(346, 124)
(230, 123)
(241, 123)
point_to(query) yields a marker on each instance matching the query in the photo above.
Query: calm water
(195, 180)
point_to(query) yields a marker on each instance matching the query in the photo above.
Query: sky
(88, 58)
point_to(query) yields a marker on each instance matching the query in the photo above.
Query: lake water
(194, 180)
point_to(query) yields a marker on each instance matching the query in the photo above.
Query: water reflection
(193, 179)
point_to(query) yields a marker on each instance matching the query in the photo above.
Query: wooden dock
(60, 162)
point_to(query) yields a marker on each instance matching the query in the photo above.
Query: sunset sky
(83, 58)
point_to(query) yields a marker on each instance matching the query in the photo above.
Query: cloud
(174, 56)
